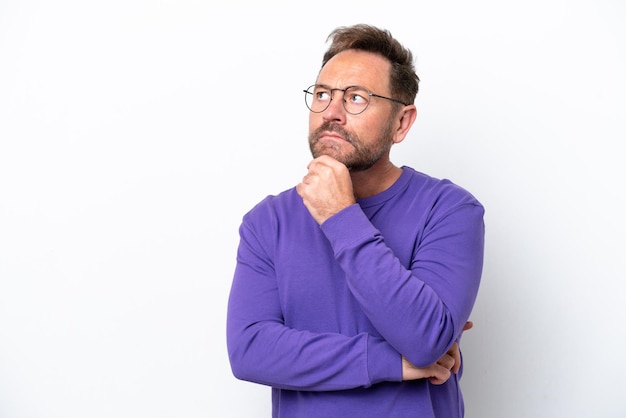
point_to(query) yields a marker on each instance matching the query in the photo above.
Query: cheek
(376, 126)
(366, 130)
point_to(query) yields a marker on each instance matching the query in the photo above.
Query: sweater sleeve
(262, 349)
(419, 309)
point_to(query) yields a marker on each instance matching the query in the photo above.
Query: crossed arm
(326, 190)
(264, 350)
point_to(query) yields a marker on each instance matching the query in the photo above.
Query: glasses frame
(343, 100)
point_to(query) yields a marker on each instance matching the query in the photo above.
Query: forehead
(357, 68)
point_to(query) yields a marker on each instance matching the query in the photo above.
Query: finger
(440, 375)
(468, 325)
(455, 352)
(317, 164)
(456, 368)
(447, 361)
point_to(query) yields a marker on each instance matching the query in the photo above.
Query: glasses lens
(317, 98)
(356, 99)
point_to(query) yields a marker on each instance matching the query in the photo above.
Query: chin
(330, 151)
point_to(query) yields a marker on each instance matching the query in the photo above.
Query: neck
(375, 179)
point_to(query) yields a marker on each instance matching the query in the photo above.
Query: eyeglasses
(355, 98)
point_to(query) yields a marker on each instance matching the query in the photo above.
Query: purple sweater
(324, 314)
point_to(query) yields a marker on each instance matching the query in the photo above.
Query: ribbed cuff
(384, 364)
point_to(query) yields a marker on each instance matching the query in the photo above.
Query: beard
(362, 157)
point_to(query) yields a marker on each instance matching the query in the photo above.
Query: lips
(332, 136)
(332, 131)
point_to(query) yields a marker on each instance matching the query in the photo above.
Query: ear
(404, 121)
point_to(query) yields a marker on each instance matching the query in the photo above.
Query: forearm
(264, 350)
(405, 311)
(274, 355)
(421, 307)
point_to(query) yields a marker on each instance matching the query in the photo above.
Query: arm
(439, 372)
(263, 350)
(419, 309)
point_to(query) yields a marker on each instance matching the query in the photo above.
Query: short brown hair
(404, 82)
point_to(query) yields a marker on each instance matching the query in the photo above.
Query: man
(351, 290)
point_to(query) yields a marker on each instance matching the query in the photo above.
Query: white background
(135, 135)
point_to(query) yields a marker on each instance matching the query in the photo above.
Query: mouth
(331, 136)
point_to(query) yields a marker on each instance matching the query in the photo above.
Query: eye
(321, 94)
(357, 97)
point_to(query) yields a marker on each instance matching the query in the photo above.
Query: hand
(439, 372)
(326, 189)
(468, 325)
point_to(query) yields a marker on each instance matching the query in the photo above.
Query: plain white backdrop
(135, 134)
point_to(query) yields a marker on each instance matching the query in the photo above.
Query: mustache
(332, 127)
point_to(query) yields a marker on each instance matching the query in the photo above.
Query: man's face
(358, 141)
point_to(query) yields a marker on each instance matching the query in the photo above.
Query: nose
(335, 110)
